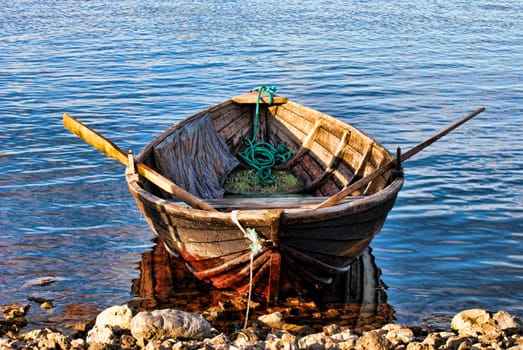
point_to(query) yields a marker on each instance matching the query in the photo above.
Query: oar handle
(347, 190)
(111, 150)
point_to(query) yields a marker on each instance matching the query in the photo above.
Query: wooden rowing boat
(299, 247)
(269, 246)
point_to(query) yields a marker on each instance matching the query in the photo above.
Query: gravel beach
(122, 327)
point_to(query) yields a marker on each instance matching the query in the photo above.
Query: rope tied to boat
(255, 247)
(262, 156)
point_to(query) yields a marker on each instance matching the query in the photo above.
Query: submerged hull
(295, 246)
(360, 295)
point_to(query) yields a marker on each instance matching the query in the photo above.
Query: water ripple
(399, 71)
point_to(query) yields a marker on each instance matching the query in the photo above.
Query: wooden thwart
(253, 203)
(252, 97)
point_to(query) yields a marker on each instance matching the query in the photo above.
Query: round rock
(169, 323)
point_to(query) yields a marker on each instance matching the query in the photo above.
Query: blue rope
(263, 156)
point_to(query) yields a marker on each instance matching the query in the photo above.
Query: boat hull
(277, 250)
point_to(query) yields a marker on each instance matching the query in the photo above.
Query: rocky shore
(121, 327)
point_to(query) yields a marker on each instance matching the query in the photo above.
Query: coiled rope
(263, 156)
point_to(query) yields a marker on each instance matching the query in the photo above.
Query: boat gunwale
(294, 214)
(181, 209)
(289, 106)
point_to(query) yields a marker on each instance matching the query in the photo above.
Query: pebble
(122, 327)
(47, 305)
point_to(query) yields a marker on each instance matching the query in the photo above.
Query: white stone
(115, 317)
(56, 340)
(7, 344)
(31, 335)
(78, 344)
(272, 320)
(470, 322)
(392, 327)
(313, 341)
(219, 340)
(169, 323)
(477, 322)
(400, 335)
(506, 320)
(100, 335)
(346, 336)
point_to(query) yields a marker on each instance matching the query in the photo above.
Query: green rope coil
(263, 156)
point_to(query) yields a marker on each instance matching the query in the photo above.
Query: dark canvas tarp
(196, 158)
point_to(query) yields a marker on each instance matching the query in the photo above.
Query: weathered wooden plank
(235, 128)
(252, 98)
(377, 184)
(294, 112)
(239, 275)
(326, 142)
(308, 169)
(223, 117)
(305, 146)
(348, 249)
(334, 232)
(203, 251)
(332, 168)
(303, 173)
(280, 134)
(209, 235)
(233, 203)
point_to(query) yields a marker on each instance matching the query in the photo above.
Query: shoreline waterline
(125, 327)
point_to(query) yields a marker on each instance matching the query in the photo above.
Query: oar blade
(111, 150)
(94, 139)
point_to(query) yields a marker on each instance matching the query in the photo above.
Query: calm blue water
(401, 71)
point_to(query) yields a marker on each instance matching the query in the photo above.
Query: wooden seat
(252, 97)
(253, 203)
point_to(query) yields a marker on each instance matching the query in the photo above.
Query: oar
(111, 150)
(347, 190)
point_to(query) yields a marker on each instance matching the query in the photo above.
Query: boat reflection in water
(356, 299)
